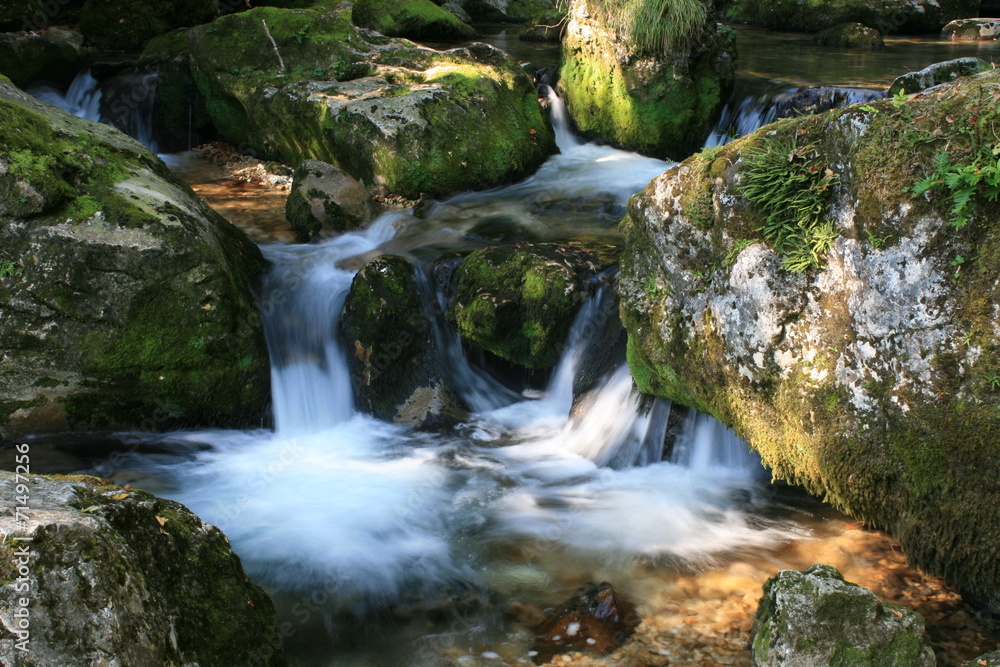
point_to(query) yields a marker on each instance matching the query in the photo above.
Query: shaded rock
(818, 99)
(391, 350)
(855, 357)
(851, 36)
(325, 201)
(546, 28)
(15, 13)
(595, 620)
(386, 111)
(972, 30)
(125, 301)
(991, 659)
(657, 99)
(117, 576)
(936, 74)
(887, 16)
(519, 302)
(28, 57)
(457, 9)
(124, 25)
(508, 11)
(816, 618)
(418, 19)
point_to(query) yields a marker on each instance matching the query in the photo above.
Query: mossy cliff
(659, 97)
(118, 576)
(125, 302)
(887, 16)
(404, 118)
(796, 286)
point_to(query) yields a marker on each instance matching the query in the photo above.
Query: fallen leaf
(121, 496)
(160, 520)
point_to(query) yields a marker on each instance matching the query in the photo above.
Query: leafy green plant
(303, 33)
(994, 382)
(652, 288)
(9, 269)
(789, 185)
(899, 99)
(961, 183)
(877, 241)
(739, 245)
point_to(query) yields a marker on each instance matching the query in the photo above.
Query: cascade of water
(129, 102)
(565, 139)
(705, 445)
(559, 393)
(82, 98)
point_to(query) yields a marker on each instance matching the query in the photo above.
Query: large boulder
(26, 58)
(815, 618)
(124, 25)
(405, 118)
(392, 352)
(625, 84)
(827, 287)
(105, 575)
(418, 19)
(850, 36)
(972, 30)
(519, 301)
(887, 16)
(125, 301)
(935, 74)
(326, 201)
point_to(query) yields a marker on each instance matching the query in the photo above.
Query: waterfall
(565, 139)
(705, 445)
(82, 98)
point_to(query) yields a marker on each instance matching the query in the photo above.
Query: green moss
(410, 18)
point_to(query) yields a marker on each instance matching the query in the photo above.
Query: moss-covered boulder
(125, 301)
(326, 201)
(817, 618)
(653, 84)
(972, 30)
(827, 287)
(850, 36)
(392, 352)
(938, 73)
(417, 19)
(991, 659)
(887, 16)
(116, 576)
(408, 119)
(26, 58)
(519, 301)
(124, 25)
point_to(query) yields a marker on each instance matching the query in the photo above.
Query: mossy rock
(326, 201)
(509, 11)
(851, 36)
(119, 576)
(137, 310)
(124, 25)
(519, 301)
(27, 58)
(406, 119)
(936, 74)
(545, 28)
(815, 617)
(417, 19)
(662, 105)
(974, 30)
(887, 16)
(869, 376)
(391, 348)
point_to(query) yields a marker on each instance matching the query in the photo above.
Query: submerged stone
(325, 201)
(117, 576)
(815, 618)
(595, 620)
(851, 36)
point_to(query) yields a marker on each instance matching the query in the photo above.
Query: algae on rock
(410, 18)
(646, 85)
(872, 381)
(128, 301)
(404, 118)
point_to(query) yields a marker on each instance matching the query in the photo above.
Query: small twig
(274, 44)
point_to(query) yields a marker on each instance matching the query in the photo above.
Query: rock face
(938, 73)
(391, 349)
(117, 576)
(124, 25)
(851, 36)
(815, 618)
(125, 301)
(972, 29)
(408, 119)
(26, 58)
(641, 96)
(595, 620)
(325, 201)
(855, 343)
(410, 18)
(519, 302)
(887, 16)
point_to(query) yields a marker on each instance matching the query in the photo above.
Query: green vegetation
(9, 268)
(963, 182)
(410, 18)
(790, 186)
(656, 27)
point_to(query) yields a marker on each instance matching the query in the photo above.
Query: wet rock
(655, 99)
(972, 30)
(125, 301)
(117, 576)
(851, 36)
(861, 372)
(391, 349)
(991, 659)
(595, 620)
(385, 110)
(887, 16)
(124, 25)
(417, 19)
(816, 618)
(936, 74)
(818, 99)
(27, 57)
(519, 301)
(325, 201)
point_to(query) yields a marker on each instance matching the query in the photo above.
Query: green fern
(961, 183)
